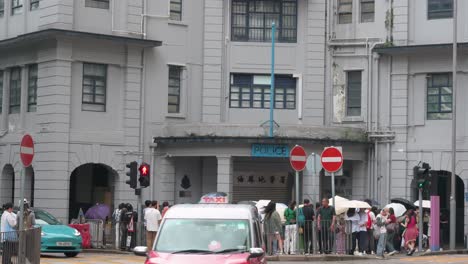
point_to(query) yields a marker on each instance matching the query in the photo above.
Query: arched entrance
(441, 184)
(29, 185)
(90, 184)
(7, 184)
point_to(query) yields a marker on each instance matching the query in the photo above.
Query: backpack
(369, 221)
(300, 217)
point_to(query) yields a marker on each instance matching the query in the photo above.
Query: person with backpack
(370, 230)
(290, 239)
(305, 218)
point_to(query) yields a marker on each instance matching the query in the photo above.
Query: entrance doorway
(441, 184)
(7, 184)
(91, 184)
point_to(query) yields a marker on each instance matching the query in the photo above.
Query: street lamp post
(453, 205)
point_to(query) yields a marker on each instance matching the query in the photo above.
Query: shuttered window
(353, 93)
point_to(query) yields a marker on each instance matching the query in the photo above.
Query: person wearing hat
(29, 218)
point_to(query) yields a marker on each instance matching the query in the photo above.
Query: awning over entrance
(411, 49)
(48, 34)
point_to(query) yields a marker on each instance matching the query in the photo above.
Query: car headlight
(76, 233)
(43, 234)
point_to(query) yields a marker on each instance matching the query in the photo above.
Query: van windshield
(203, 235)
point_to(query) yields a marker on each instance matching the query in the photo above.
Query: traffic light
(132, 173)
(144, 175)
(421, 173)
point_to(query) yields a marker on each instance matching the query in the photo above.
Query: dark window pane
(252, 20)
(94, 87)
(353, 93)
(32, 87)
(345, 11)
(437, 9)
(439, 96)
(176, 10)
(174, 87)
(1, 90)
(103, 4)
(258, 95)
(367, 11)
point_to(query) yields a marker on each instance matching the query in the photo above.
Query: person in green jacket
(291, 229)
(272, 228)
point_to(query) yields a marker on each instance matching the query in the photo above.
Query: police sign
(270, 150)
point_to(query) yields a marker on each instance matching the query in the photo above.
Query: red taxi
(209, 233)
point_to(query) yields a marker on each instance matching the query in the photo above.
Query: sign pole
(420, 226)
(21, 228)
(333, 188)
(272, 81)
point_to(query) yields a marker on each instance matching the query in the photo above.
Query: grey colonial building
(184, 86)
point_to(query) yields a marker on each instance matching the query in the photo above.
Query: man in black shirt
(309, 215)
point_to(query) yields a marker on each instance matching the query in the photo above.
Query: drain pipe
(389, 144)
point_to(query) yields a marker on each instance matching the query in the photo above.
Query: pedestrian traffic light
(144, 175)
(421, 174)
(132, 173)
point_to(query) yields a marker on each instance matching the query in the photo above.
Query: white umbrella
(399, 209)
(340, 206)
(425, 204)
(357, 204)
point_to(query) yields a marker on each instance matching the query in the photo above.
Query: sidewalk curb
(106, 251)
(318, 258)
(446, 252)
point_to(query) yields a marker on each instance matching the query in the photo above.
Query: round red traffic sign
(332, 159)
(298, 158)
(27, 150)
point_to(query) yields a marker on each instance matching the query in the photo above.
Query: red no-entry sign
(298, 158)
(332, 159)
(27, 150)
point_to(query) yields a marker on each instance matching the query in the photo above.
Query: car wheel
(71, 254)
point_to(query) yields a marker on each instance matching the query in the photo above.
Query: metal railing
(14, 253)
(311, 237)
(116, 235)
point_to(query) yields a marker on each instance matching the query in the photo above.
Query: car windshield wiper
(196, 251)
(230, 250)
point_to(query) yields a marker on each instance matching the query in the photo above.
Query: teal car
(55, 236)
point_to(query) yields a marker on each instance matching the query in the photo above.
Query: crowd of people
(125, 220)
(355, 232)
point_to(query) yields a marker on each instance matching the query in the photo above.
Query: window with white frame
(1, 91)
(345, 11)
(94, 87)
(2, 8)
(34, 4)
(439, 96)
(438, 9)
(15, 90)
(367, 11)
(176, 10)
(253, 91)
(174, 89)
(103, 4)
(16, 7)
(32, 88)
(251, 20)
(353, 93)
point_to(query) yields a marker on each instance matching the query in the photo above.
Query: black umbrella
(406, 203)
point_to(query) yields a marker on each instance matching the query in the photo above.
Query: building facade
(398, 56)
(184, 86)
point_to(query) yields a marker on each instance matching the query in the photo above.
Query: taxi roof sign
(214, 198)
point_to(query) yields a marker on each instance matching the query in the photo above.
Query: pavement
(93, 258)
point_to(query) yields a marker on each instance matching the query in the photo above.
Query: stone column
(225, 175)
(164, 179)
